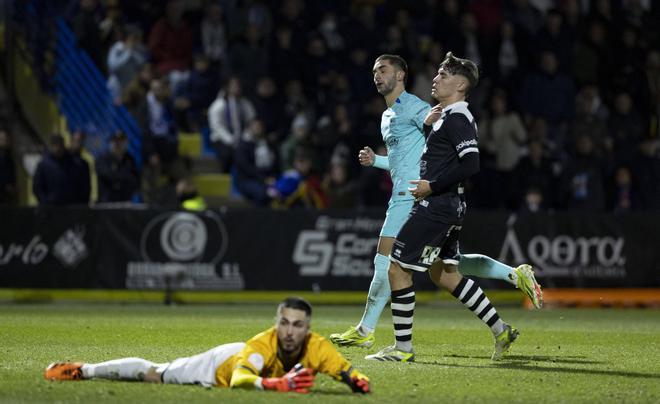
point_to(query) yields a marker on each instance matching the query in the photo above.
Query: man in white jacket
(229, 115)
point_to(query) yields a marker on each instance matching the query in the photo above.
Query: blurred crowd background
(567, 106)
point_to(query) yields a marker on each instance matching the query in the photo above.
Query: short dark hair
(298, 303)
(397, 61)
(464, 67)
(56, 139)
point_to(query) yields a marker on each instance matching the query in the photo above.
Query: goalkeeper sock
(472, 297)
(485, 267)
(403, 306)
(124, 369)
(379, 294)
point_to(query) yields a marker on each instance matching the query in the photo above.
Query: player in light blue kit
(402, 127)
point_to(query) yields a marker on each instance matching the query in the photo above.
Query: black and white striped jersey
(453, 136)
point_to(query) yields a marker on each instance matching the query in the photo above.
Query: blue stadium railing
(79, 86)
(84, 98)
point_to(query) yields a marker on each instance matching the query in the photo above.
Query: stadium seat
(190, 144)
(213, 184)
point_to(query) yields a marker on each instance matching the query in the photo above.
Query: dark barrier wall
(300, 250)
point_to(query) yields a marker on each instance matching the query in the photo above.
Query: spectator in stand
(256, 164)
(548, 94)
(555, 38)
(646, 170)
(159, 128)
(229, 115)
(136, 91)
(300, 187)
(157, 187)
(7, 171)
(623, 195)
(533, 201)
(86, 26)
(188, 196)
(125, 60)
(196, 94)
(249, 57)
(510, 56)
(52, 183)
(112, 26)
(651, 80)
(590, 118)
(214, 36)
(338, 187)
(525, 16)
(502, 135)
(269, 108)
(80, 175)
(625, 129)
(117, 173)
(298, 138)
(284, 61)
(171, 42)
(582, 185)
(591, 56)
(535, 171)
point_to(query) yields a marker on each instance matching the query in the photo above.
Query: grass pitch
(561, 356)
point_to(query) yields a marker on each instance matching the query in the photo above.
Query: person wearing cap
(117, 173)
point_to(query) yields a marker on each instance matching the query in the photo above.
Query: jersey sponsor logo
(337, 247)
(429, 255)
(466, 143)
(392, 141)
(565, 255)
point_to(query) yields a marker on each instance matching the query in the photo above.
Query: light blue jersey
(402, 127)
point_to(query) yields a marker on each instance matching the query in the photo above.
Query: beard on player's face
(387, 85)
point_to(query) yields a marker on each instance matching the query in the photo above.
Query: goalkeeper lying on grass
(284, 358)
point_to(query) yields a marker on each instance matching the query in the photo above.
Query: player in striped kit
(402, 126)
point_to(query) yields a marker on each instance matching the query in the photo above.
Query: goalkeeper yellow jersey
(259, 359)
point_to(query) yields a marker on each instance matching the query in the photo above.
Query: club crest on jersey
(392, 141)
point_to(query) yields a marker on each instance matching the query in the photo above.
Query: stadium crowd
(568, 107)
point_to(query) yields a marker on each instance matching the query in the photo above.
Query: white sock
(124, 369)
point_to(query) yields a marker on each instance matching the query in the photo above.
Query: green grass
(562, 355)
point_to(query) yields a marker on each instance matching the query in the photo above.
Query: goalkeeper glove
(299, 380)
(357, 381)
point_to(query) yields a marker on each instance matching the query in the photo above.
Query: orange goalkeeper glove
(357, 381)
(299, 380)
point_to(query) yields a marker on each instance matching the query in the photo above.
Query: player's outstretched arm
(368, 158)
(357, 381)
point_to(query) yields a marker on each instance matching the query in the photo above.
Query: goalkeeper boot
(527, 283)
(503, 342)
(64, 371)
(352, 337)
(391, 354)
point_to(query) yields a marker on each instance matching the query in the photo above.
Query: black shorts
(421, 242)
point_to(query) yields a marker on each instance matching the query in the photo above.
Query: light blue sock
(482, 266)
(379, 294)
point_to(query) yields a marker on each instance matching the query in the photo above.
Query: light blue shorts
(397, 214)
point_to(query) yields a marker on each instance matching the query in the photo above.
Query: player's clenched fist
(299, 380)
(367, 157)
